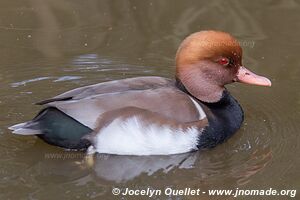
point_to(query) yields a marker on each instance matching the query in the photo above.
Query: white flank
(202, 114)
(131, 137)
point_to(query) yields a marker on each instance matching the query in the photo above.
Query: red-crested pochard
(153, 115)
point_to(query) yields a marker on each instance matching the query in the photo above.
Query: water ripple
(55, 79)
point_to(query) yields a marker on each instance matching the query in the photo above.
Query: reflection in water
(207, 166)
(125, 168)
(257, 161)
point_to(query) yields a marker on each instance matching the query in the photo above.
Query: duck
(153, 115)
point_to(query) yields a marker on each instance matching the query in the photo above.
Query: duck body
(134, 115)
(153, 115)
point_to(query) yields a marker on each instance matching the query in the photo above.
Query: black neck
(224, 117)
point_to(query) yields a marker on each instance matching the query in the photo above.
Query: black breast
(225, 117)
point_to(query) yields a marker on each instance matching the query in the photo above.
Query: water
(52, 46)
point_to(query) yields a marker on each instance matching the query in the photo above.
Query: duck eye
(223, 61)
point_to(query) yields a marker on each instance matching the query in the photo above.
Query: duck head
(208, 60)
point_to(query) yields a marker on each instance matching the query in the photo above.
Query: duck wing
(138, 83)
(167, 101)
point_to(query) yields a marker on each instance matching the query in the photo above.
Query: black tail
(56, 128)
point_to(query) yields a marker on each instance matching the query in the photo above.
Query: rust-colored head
(208, 60)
